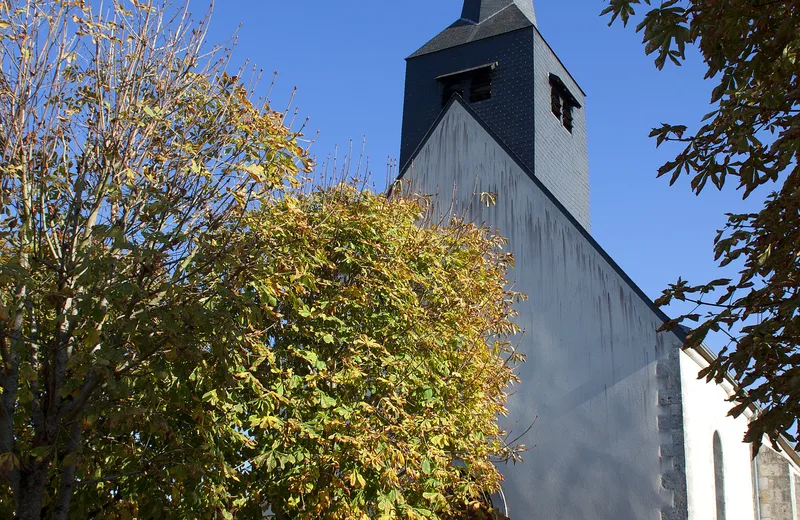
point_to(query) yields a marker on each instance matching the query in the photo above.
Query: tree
(122, 144)
(753, 134)
(380, 356)
(187, 332)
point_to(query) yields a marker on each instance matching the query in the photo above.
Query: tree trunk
(67, 483)
(31, 491)
(9, 383)
(9, 379)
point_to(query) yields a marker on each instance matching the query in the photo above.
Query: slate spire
(478, 11)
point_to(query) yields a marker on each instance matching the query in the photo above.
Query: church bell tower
(495, 60)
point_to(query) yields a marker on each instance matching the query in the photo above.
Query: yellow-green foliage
(377, 358)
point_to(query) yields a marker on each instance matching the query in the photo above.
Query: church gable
(595, 377)
(606, 391)
(451, 140)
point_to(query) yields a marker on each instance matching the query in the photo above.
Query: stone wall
(670, 427)
(775, 493)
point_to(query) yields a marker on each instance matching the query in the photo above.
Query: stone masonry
(670, 426)
(774, 486)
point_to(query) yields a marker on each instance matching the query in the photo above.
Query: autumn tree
(751, 137)
(187, 331)
(122, 144)
(377, 359)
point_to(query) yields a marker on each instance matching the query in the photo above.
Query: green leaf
(41, 452)
(325, 401)
(426, 466)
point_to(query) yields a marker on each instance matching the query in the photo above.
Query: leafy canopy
(377, 358)
(122, 146)
(752, 50)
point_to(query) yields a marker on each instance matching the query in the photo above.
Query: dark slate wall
(509, 112)
(562, 158)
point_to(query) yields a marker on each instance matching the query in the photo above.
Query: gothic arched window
(719, 477)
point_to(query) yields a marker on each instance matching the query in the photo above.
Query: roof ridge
(482, 10)
(498, 12)
(466, 30)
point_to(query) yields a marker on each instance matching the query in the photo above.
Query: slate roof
(480, 10)
(482, 19)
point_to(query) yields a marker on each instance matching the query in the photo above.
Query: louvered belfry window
(562, 103)
(450, 89)
(555, 102)
(567, 117)
(480, 88)
(476, 82)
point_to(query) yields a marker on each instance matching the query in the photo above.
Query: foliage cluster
(373, 390)
(752, 50)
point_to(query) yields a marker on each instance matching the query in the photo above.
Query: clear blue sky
(347, 60)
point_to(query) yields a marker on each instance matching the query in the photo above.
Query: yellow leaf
(255, 171)
(356, 480)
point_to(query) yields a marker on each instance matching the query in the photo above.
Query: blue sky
(347, 60)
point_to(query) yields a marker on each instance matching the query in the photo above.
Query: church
(622, 427)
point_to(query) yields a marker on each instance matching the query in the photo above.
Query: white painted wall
(590, 339)
(706, 411)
